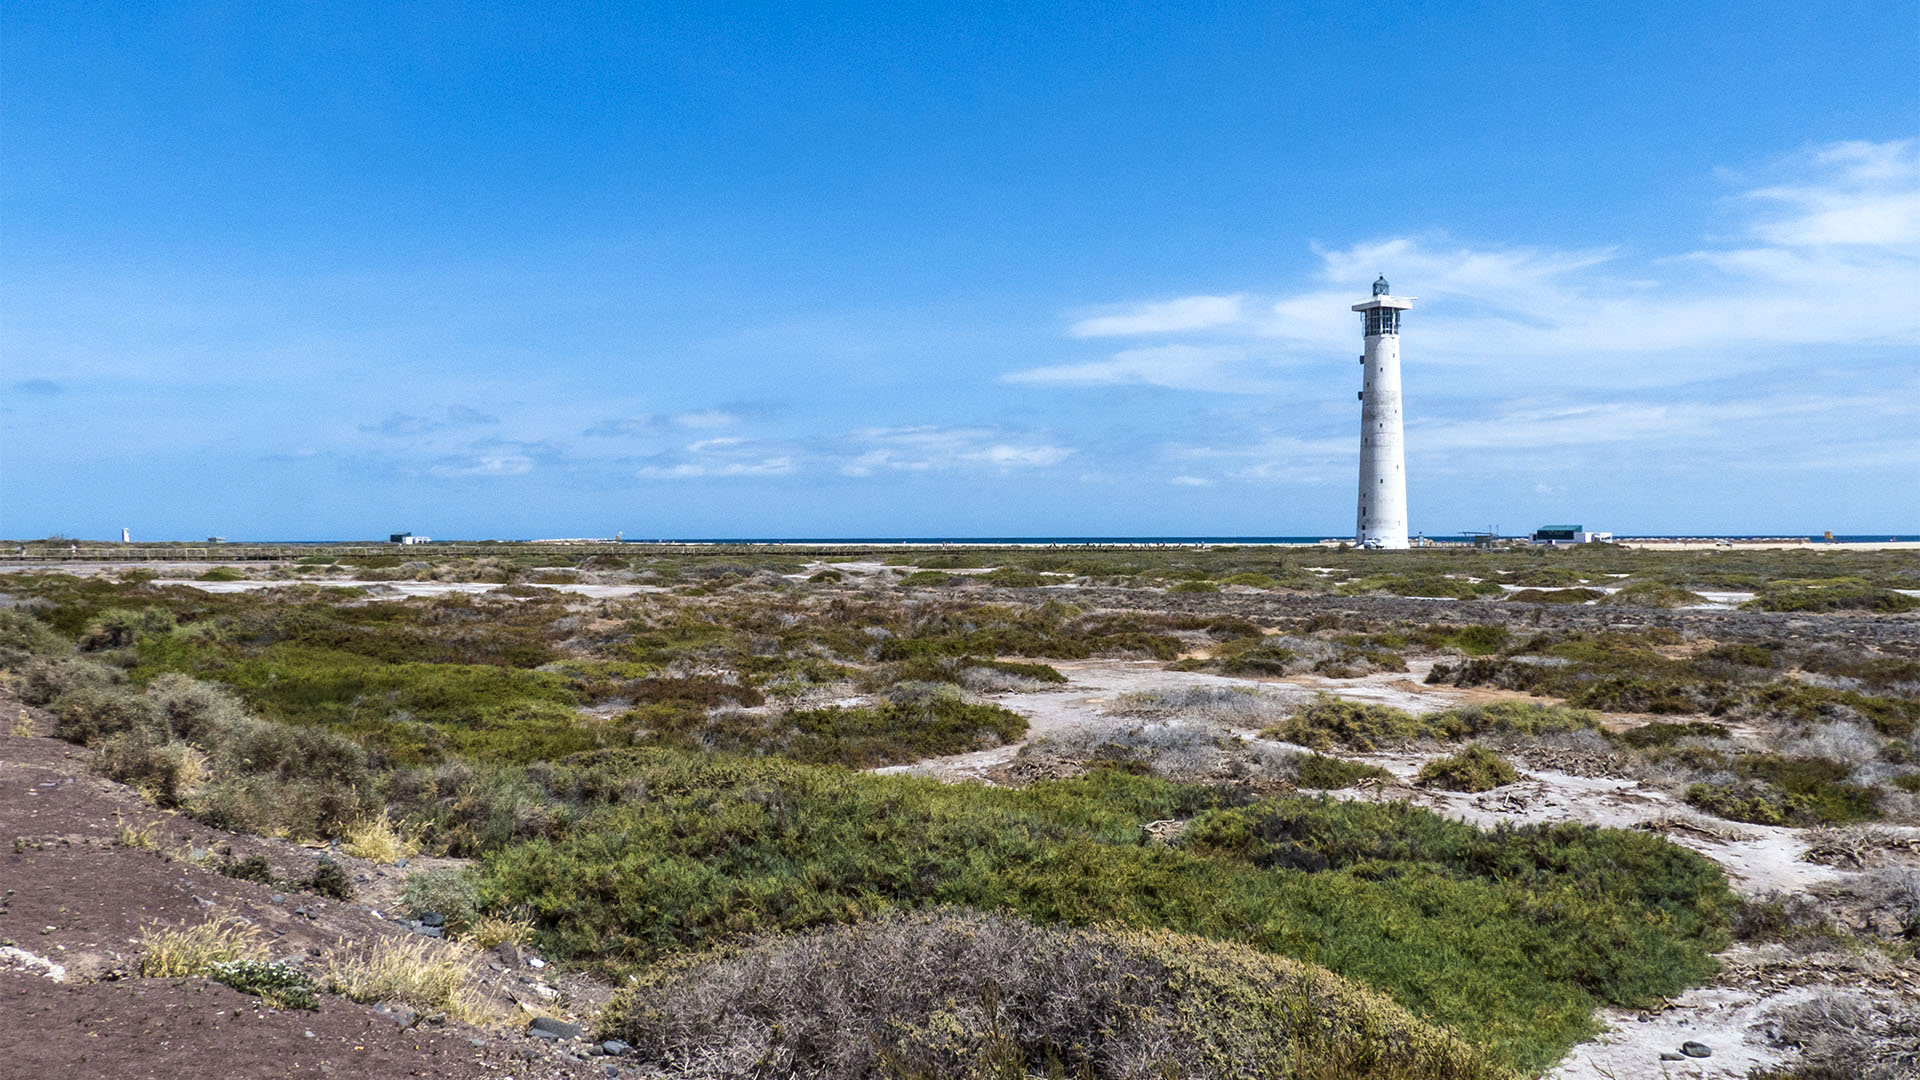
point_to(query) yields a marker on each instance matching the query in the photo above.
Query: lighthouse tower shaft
(1381, 518)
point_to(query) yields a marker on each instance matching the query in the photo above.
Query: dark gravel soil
(75, 893)
(195, 1028)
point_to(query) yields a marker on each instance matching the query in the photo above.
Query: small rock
(433, 918)
(476, 1042)
(1696, 1049)
(548, 1027)
(1668, 1055)
(614, 1047)
(299, 911)
(399, 862)
(309, 1034)
(528, 1053)
(508, 952)
(399, 1014)
(594, 1050)
(430, 931)
(535, 962)
(278, 898)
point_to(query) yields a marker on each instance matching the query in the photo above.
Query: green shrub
(1475, 768)
(951, 993)
(279, 984)
(1566, 917)
(46, 680)
(1320, 772)
(1836, 597)
(1328, 721)
(1194, 587)
(88, 714)
(328, 879)
(1554, 596)
(23, 637)
(1423, 585)
(1777, 790)
(223, 573)
(1661, 734)
(453, 893)
(168, 771)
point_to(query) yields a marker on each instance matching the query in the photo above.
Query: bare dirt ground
(79, 884)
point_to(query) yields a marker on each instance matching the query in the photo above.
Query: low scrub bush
(168, 771)
(23, 638)
(1475, 768)
(1554, 596)
(1422, 585)
(328, 879)
(453, 894)
(1329, 721)
(1771, 789)
(955, 994)
(1652, 594)
(1662, 734)
(279, 984)
(1234, 706)
(1324, 773)
(1837, 597)
(1566, 917)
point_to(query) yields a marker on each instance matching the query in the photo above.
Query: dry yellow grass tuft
(492, 931)
(416, 972)
(379, 840)
(178, 954)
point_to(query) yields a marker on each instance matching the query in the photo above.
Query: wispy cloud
(1176, 367)
(632, 426)
(726, 456)
(485, 465)
(1816, 236)
(453, 416)
(1163, 317)
(928, 448)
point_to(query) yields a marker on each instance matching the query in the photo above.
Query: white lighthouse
(1381, 521)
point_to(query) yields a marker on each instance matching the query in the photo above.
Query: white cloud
(1825, 252)
(1865, 194)
(689, 470)
(485, 465)
(926, 448)
(1163, 317)
(706, 418)
(1178, 367)
(1190, 481)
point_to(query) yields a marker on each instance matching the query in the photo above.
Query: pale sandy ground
(1757, 859)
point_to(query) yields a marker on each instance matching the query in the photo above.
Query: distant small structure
(126, 536)
(216, 539)
(1568, 534)
(409, 538)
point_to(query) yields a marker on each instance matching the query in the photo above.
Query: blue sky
(331, 270)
